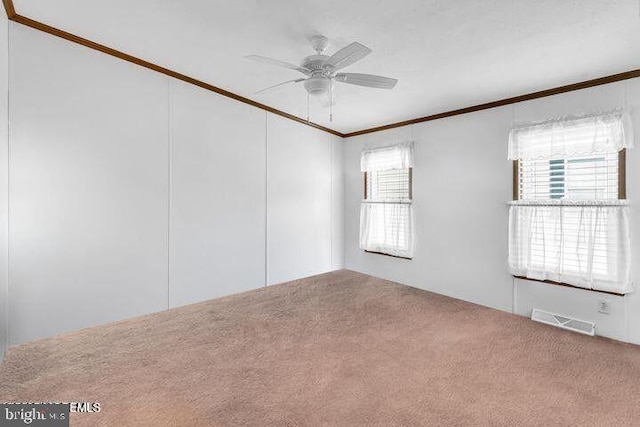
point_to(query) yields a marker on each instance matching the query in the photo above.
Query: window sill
(392, 256)
(566, 285)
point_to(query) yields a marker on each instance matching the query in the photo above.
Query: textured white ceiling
(446, 54)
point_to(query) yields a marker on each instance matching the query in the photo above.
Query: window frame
(622, 195)
(410, 198)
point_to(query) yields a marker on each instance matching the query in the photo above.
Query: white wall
(337, 202)
(4, 183)
(298, 200)
(578, 303)
(217, 196)
(131, 192)
(462, 181)
(460, 191)
(632, 100)
(88, 187)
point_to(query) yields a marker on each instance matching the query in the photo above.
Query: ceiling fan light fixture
(317, 85)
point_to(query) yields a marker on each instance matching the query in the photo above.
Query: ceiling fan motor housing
(314, 62)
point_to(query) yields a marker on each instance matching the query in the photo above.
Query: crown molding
(8, 7)
(507, 101)
(12, 15)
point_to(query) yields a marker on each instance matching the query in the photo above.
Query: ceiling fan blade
(348, 55)
(368, 80)
(277, 63)
(279, 84)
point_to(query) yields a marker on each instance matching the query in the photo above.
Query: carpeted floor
(339, 349)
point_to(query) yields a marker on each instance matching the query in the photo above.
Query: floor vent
(564, 322)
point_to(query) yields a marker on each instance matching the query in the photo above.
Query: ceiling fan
(322, 70)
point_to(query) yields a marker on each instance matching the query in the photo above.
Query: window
(386, 213)
(569, 222)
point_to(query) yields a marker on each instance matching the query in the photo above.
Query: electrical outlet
(603, 306)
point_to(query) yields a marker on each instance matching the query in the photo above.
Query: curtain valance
(398, 156)
(570, 137)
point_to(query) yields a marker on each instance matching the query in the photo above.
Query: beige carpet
(339, 349)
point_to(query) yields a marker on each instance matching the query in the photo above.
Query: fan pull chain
(307, 106)
(331, 102)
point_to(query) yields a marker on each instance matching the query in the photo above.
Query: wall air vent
(564, 322)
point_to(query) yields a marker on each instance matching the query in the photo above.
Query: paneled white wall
(337, 203)
(4, 183)
(578, 303)
(88, 187)
(462, 181)
(298, 199)
(131, 192)
(217, 230)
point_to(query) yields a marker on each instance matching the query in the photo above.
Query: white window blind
(573, 178)
(390, 185)
(386, 214)
(568, 224)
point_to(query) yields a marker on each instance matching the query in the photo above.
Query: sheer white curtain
(386, 224)
(387, 228)
(582, 244)
(552, 234)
